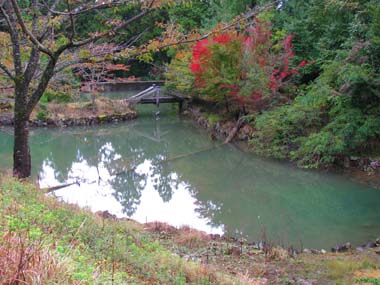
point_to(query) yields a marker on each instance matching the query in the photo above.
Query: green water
(222, 190)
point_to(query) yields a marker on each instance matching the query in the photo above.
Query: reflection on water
(124, 169)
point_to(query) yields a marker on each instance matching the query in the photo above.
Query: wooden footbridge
(154, 95)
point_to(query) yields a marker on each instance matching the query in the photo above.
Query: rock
(261, 245)
(315, 251)
(369, 245)
(292, 252)
(106, 215)
(341, 248)
(307, 251)
(375, 164)
(359, 249)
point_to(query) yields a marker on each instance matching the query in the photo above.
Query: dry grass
(160, 227)
(191, 238)
(23, 261)
(245, 279)
(277, 253)
(79, 110)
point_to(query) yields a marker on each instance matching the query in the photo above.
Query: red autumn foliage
(222, 39)
(257, 60)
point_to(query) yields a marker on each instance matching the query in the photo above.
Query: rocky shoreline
(236, 246)
(70, 122)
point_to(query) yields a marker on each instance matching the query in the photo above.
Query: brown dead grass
(191, 238)
(104, 107)
(23, 261)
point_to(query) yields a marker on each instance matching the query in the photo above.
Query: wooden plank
(162, 100)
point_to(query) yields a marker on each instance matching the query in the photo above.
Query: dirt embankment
(262, 263)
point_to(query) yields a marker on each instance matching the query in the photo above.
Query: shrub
(245, 70)
(337, 116)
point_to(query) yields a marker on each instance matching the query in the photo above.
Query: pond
(147, 170)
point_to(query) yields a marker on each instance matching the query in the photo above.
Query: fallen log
(234, 131)
(52, 189)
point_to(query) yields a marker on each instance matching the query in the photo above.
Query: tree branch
(7, 71)
(32, 65)
(81, 10)
(248, 15)
(44, 29)
(26, 31)
(44, 81)
(113, 31)
(72, 23)
(11, 22)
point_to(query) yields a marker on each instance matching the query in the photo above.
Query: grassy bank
(44, 241)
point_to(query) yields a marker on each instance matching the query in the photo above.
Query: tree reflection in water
(222, 188)
(125, 167)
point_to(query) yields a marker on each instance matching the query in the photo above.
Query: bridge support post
(158, 94)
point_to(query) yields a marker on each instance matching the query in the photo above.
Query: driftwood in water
(52, 189)
(228, 140)
(124, 171)
(234, 131)
(189, 154)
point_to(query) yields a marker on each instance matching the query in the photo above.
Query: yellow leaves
(8, 62)
(153, 45)
(4, 39)
(55, 22)
(114, 22)
(6, 50)
(84, 53)
(161, 3)
(145, 56)
(182, 55)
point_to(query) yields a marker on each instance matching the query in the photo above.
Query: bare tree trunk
(21, 151)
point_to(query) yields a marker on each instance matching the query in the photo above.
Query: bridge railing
(154, 89)
(153, 95)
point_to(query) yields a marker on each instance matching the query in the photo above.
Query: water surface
(129, 169)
